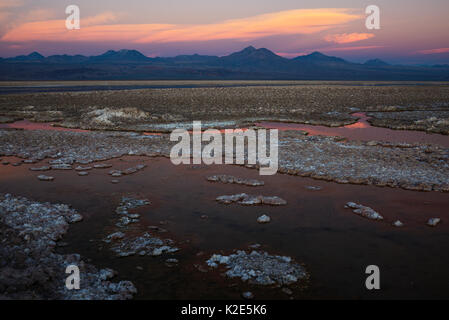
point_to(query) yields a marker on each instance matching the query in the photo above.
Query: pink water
(28, 125)
(362, 130)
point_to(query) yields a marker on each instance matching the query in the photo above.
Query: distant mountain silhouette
(252, 54)
(249, 63)
(34, 56)
(255, 60)
(66, 59)
(186, 60)
(376, 63)
(120, 56)
(319, 58)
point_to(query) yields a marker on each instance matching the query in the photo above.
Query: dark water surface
(334, 244)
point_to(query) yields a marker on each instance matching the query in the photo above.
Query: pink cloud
(433, 51)
(353, 48)
(290, 54)
(348, 37)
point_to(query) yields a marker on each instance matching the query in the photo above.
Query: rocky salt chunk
(102, 166)
(61, 161)
(264, 219)
(247, 295)
(41, 225)
(84, 162)
(143, 245)
(171, 262)
(106, 274)
(364, 211)
(398, 224)
(44, 168)
(45, 178)
(433, 222)
(130, 203)
(115, 173)
(245, 199)
(61, 167)
(232, 198)
(115, 236)
(314, 188)
(76, 217)
(259, 268)
(274, 201)
(81, 168)
(124, 221)
(119, 173)
(234, 180)
(125, 205)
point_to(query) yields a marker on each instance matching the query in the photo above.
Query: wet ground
(334, 244)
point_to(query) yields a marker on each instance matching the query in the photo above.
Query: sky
(411, 31)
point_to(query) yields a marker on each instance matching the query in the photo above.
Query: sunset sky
(412, 31)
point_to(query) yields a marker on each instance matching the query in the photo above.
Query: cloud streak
(359, 48)
(100, 28)
(434, 51)
(348, 37)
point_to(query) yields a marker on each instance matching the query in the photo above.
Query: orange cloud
(284, 22)
(433, 51)
(278, 23)
(353, 48)
(348, 37)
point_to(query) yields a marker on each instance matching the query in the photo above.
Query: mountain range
(250, 63)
